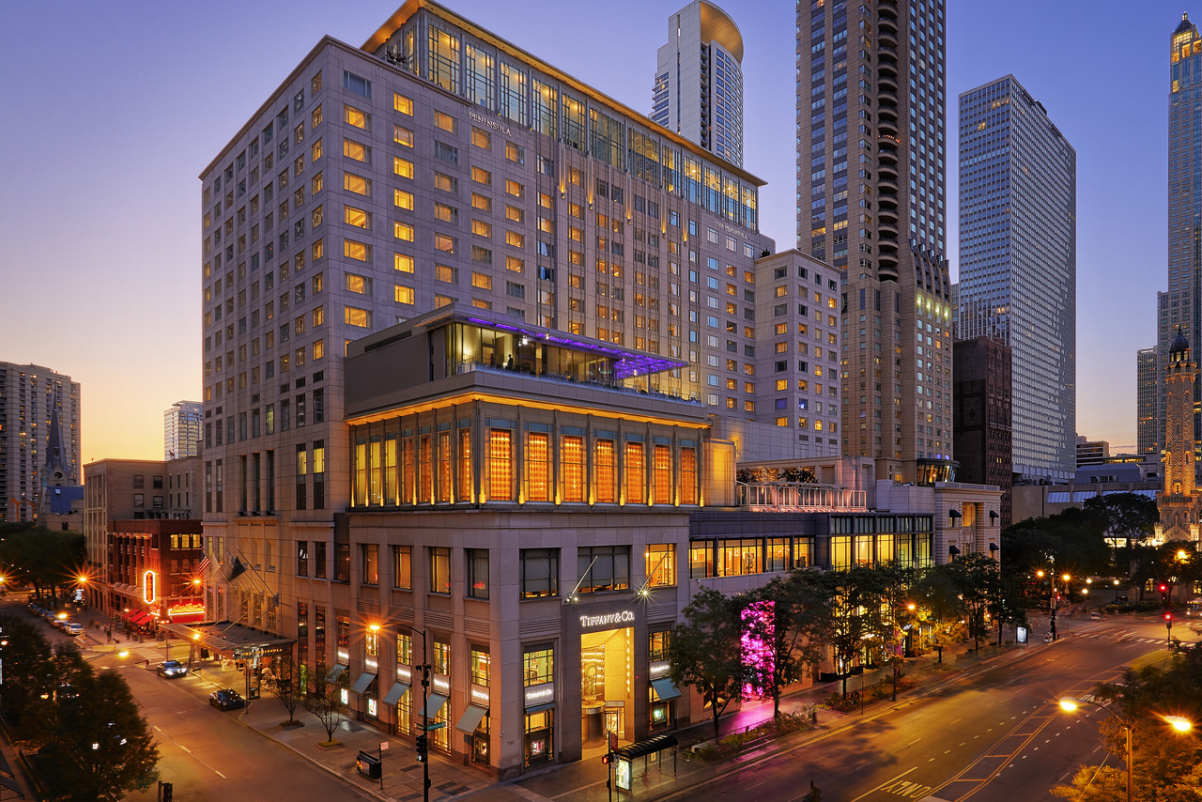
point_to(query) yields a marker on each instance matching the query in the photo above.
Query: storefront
(606, 683)
(538, 663)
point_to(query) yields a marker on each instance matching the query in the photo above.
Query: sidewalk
(582, 780)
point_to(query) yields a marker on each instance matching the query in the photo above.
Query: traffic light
(1168, 620)
(422, 748)
(605, 758)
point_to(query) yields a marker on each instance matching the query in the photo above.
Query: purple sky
(112, 109)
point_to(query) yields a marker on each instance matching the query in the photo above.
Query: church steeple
(56, 473)
(1179, 501)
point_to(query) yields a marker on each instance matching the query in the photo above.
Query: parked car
(172, 669)
(1094, 615)
(226, 699)
(73, 628)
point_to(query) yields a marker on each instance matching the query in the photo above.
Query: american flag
(203, 568)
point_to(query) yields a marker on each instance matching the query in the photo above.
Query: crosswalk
(1123, 635)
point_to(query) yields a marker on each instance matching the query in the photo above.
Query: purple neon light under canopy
(626, 363)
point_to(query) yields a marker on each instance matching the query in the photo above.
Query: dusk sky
(111, 110)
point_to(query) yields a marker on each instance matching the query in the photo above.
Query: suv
(73, 628)
(172, 669)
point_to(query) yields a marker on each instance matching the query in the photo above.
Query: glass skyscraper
(870, 200)
(1179, 306)
(1018, 263)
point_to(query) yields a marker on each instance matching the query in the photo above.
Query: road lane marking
(884, 784)
(916, 740)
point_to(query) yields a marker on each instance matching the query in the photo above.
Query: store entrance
(606, 685)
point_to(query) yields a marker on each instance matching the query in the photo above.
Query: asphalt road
(206, 753)
(997, 736)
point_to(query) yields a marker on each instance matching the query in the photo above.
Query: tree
(25, 654)
(324, 700)
(1005, 601)
(1165, 765)
(706, 651)
(940, 604)
(791, 617)
(1127, 516)
(290, 686)
(896, 585)
(46, 558)
(856, 599)
(974, 575)
(102, 747)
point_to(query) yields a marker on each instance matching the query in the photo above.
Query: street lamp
(1071, 704)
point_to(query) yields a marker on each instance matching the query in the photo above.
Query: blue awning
(434, 704)
(364, 682)
(336, 672)
(395, 693)
(665, 690)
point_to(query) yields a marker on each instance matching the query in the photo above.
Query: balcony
(799, 497)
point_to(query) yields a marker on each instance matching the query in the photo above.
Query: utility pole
(423, 740)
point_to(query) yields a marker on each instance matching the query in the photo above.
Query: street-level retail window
(661, 565)
(661, 713)
(480, 741)
(404, 714)
(539, 745)
(442, 735)
(539, 664)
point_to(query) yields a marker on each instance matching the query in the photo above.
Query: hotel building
(29, 396)
(182, 430)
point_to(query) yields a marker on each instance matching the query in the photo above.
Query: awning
(471, 719)
(336, 672)
(129, 615)
(434, 704)
(364, 682)
(665, 690)
(139, 618)
(540, 708)
(395, 693)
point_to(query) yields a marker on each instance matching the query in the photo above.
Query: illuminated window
(500, 457)
(356, 183)
(443, 488)
(402, 104)
(481, 280)
(481, 667)
(538, 464)
(440, 582)
(481, 139)
(465, 464)
(445, 122)
(514, 188)
(447, 214)
(408, 474)
(357, 217)
(402, 200)
(356, 117)
(402, 136)
(481, 202)
(356, 150)
(477, 574)
(403, 231)
(635, 473)
(661, 565)
(402, 262)
(662, 476)
(425, 465)
(358, 251)
(358, 317)
(688, 475)
(481, 228)
(603, 459)
(481, 176)
(739, 557)
(571, 449)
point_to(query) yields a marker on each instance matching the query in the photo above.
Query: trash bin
(368, 765)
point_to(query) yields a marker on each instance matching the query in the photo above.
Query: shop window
(538, 664)
(739, 557)
(481, 667)
(803, 552)
(404, 648)
(402, 571)
(441, 663)
(440, 570)
(477, 573)
(776, 555)
(539, 573)
(657, 645)
(701, 559)
(661, 565)
(603, 568)
(539, 744)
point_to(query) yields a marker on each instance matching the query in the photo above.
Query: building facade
(871, 165)
(698, 90)
(982, 415)
(1018, 263)
(1147, 384)
(182, 430)
(29, 396)
(1179, 500)
(1180, 304)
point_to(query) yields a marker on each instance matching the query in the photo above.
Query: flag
(237, 569)
(203, 567)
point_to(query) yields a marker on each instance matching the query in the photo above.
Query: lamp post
(1071, 704)
(423, 740)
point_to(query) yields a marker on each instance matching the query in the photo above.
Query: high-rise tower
(698, 90)
(181, 429)
(1147, 382)
(1179, 305)
(29, 397)
(1018, 263)
(870, 199)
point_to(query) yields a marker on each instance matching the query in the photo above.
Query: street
(997, 736)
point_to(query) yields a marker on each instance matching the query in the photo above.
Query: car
(172, 669)
(226, 699)
(1094, 615)
(73, 628)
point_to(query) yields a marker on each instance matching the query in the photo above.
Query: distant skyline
(115, 109)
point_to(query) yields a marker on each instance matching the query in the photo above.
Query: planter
(329, 744)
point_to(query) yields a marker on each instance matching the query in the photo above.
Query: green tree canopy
(706, 651)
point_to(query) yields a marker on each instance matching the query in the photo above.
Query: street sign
(438, 725)
(613, 741)
(383, 746)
